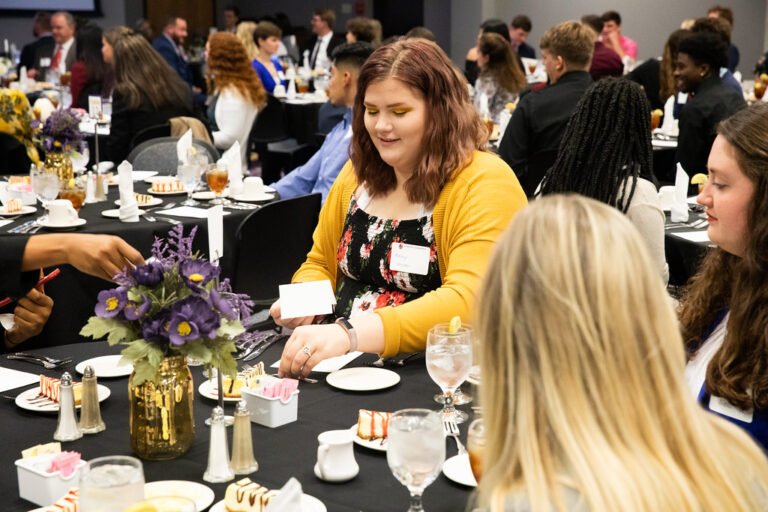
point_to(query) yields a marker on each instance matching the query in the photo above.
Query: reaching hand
(30, 315)
(310, 344)
(101, 255)
(290, 323)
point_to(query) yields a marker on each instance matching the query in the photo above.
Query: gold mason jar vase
(60, 163)
(162, 424)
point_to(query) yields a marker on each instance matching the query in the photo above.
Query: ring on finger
(307, 351)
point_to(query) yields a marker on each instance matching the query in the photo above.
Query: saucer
(457, 469)
(115, 213)
(362, 379)
(201, 494)
(264, 196)
(152, 202)
(379, 445)
(207, 195)
(25, 210)
(47, 224)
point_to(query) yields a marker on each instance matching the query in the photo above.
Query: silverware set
(49, 363)
(255, 344)
(395, 361)
(29, 227)
(452, 430)
(696, 224)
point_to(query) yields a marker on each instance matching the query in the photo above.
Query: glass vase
(60, 163)
(162, 424)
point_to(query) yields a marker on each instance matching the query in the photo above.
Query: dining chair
(271, 244)
(160, 154)
(151, 132)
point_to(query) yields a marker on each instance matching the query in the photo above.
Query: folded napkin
(289, 498)
(233, 159)
(679, 210)
(129, 208)
(291, 89)
(90, 188)
(669, 125)
(184, 143)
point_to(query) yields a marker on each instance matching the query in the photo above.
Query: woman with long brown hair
(407, 228)
(237, 92)
(501, 79)
(724, 311)
(147, 92)
(655, 74)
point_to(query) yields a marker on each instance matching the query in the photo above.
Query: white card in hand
(306, 299)
(413, 259)
(216, 233)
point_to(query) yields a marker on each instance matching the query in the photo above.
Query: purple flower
(111, 302)
(222, 304)
(196, 273)
(156, 328)
(150, 274)
(191, 319)
(136, 311)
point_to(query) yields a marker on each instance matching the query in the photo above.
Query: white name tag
(682, 98)
(45, 62)
(413, 259)
(724, 407)
(94, 106)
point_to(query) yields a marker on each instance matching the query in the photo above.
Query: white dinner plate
(265, 196)
(201, 494)
(362, 379)
(105, 367)
(47, 224)
(457, 468)
(209, 389)
(308, 504)
(171, 193)
(152, 202)
(115, 213)
(23, 400)
(380, 445)
(207, 195)
(25, 210)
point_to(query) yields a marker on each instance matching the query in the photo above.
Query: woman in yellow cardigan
(409, 224)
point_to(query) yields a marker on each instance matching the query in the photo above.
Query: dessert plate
(201, 494)
(308, 504)
(23, 400)
(264, 196)
(105, 367)
(25, 210)
(47, 224)
(207, 195)
(171, 193)
(152, 202)
(362, 379)
(209, 389)
(374, 444)
(457, 469)
(115, 213)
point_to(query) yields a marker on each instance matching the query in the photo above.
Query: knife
(265, 345)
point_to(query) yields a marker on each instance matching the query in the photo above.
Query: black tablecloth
(75, 294)
(282, 452)
(683, 256)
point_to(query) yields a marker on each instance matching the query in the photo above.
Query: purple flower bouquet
(172, 305)
(61, 132)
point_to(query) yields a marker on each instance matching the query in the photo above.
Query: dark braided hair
(607, 140)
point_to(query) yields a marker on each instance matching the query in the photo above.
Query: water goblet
(111, 483)
(187, 173)
(217, 178)
(80, 158)
(449, 359)
(476, 446)
(416, 450)
(45, 185)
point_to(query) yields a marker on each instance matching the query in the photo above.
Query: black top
(31, 54)
(538, 124)
(711, 103)
(128, 122)
(733, 58)
(336, 40)
(526, 50)
(13, 282)
(647, 75)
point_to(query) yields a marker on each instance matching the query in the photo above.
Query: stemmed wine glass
(188, 174)
(80, 158)
(449, 359)
(45, 185)
(416, 450)
(217, 178)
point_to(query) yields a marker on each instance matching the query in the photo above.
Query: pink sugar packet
(283, 390)
(65, 463)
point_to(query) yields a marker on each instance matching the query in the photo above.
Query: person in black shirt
(531, 140)
(519, 28)
(697, 72)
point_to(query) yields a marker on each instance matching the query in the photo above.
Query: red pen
(55, 272)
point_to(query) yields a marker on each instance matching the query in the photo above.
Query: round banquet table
(683, 256)
(281, 452)
(75, 294)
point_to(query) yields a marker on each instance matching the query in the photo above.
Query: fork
(46, 363)
(452, 430)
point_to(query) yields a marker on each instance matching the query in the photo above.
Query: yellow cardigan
(472, 211)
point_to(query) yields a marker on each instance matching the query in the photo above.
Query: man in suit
(41, 48)
(325, 41)
(63, 30)
(519, 29)
(231, 18)
(170, 43)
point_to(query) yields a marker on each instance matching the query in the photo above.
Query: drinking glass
(45, 185)
(111, 483)
(80, 158)
(74, 190)
(416, 450)
(217, 178)
(188, 174)
(759, 88)
(449, 359)
(476, 446)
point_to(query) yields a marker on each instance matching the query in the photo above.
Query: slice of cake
(372, 424)
(51, 389)
(143, 199)
(232, 386)
(67, 503)
(245, 495)
(167, 185)
(12, 205)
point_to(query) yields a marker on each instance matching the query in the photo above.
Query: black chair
(13, 156)
(151, 132)
(270, 128)
(271, 244)
(160, 154)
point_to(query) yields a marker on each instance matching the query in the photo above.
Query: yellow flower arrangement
(17, 120)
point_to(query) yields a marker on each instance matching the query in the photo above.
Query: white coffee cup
(336, 456)
(279, 91)
(666, 197)
(61, 212)
(253, 186)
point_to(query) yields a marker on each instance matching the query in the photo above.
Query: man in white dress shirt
(63, 30)
(325, 41)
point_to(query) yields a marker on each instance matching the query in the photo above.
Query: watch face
(344, 323)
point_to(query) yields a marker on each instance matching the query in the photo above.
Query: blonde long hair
(582, 377)
(244, 33)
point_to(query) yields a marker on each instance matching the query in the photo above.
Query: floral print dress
(365, 280)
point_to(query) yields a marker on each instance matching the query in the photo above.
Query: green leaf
(155, 355)
(230, 328)
(198, 350)
(136, 350)
(143, 371)
(222, 358)
(134, 294)
(97, 328)
(119, 332)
